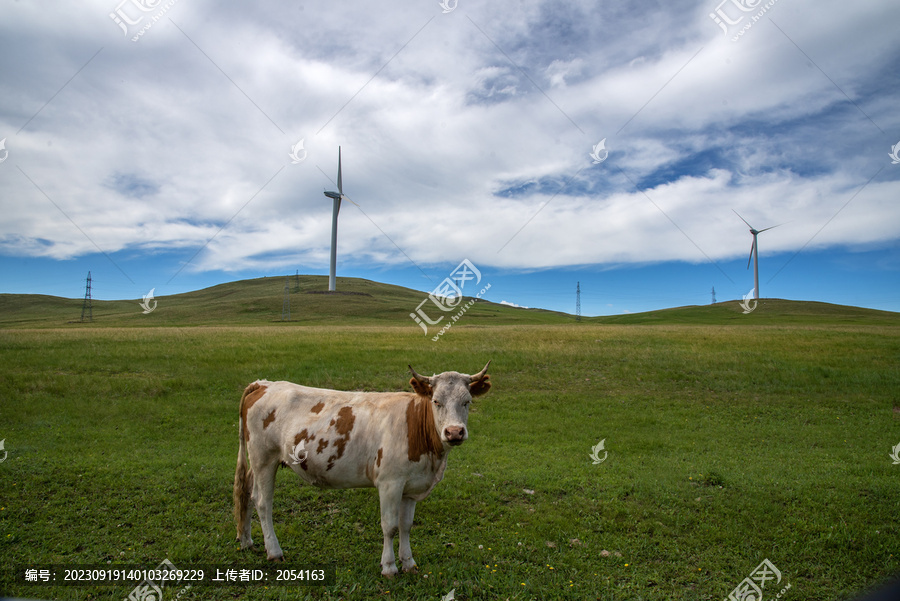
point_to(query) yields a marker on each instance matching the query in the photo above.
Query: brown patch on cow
(378, 461)
(422, 437)
(343, 425)
(317, 407)
(480, 387)
(322, 444)
(345, 421)
(305, 437)
(252, 393)
(269, 419)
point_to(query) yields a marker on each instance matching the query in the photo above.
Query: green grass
(258, 302)
(727, 445)
(364, 302)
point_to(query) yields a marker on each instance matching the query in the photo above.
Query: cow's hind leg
(407, 511)
(390, 497)
(263, 492)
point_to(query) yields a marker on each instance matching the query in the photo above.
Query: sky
(614, 146)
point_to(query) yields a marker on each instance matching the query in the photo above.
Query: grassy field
(257, 302)
(727, 445)
(364, 302)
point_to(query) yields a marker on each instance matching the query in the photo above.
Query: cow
(397, 442)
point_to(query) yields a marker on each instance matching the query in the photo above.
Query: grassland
(256, 302)
(727, 444)
(364, 302)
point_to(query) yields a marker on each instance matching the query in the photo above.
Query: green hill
(258, 302)
(769, 311)
(364, 302)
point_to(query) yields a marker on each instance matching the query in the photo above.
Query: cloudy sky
(175, 144)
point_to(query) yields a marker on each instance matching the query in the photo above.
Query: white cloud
(503, 302)
(181, 140)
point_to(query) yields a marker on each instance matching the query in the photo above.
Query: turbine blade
(741, 218)
(750, 258)
(769, 228)
(340, 185)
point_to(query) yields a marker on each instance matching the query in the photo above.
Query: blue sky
(149, 142)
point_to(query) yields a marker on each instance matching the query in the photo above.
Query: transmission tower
(286, 304)
(297, 281)
(86, 307)
(578, 301)
(714, 295)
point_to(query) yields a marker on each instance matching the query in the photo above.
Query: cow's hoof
(411, 570)
(278, 559)
(389, 572)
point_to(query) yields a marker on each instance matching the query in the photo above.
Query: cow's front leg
(390, 497)
(263, 492)
(407, 511)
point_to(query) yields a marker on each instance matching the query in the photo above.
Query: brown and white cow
(395, 441)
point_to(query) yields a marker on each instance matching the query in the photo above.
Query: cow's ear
(479, 387)
(421, 388)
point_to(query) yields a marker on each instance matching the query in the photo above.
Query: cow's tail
(243, 480)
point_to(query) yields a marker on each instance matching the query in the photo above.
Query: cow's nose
(455, 434)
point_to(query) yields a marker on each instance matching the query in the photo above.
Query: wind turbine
(336, 197)
(754, 254)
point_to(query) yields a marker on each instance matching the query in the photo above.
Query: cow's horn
(418, 377)
(480, 374)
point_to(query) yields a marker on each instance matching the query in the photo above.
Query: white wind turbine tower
(754, 254)
(336, 197)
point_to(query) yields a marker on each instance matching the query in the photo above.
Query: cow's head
(450, 394)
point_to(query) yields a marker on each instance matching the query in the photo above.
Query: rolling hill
(259, 302)
(364, 302)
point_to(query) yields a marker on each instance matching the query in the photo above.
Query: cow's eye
(436, 404)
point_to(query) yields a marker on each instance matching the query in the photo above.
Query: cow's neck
(423, 436)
